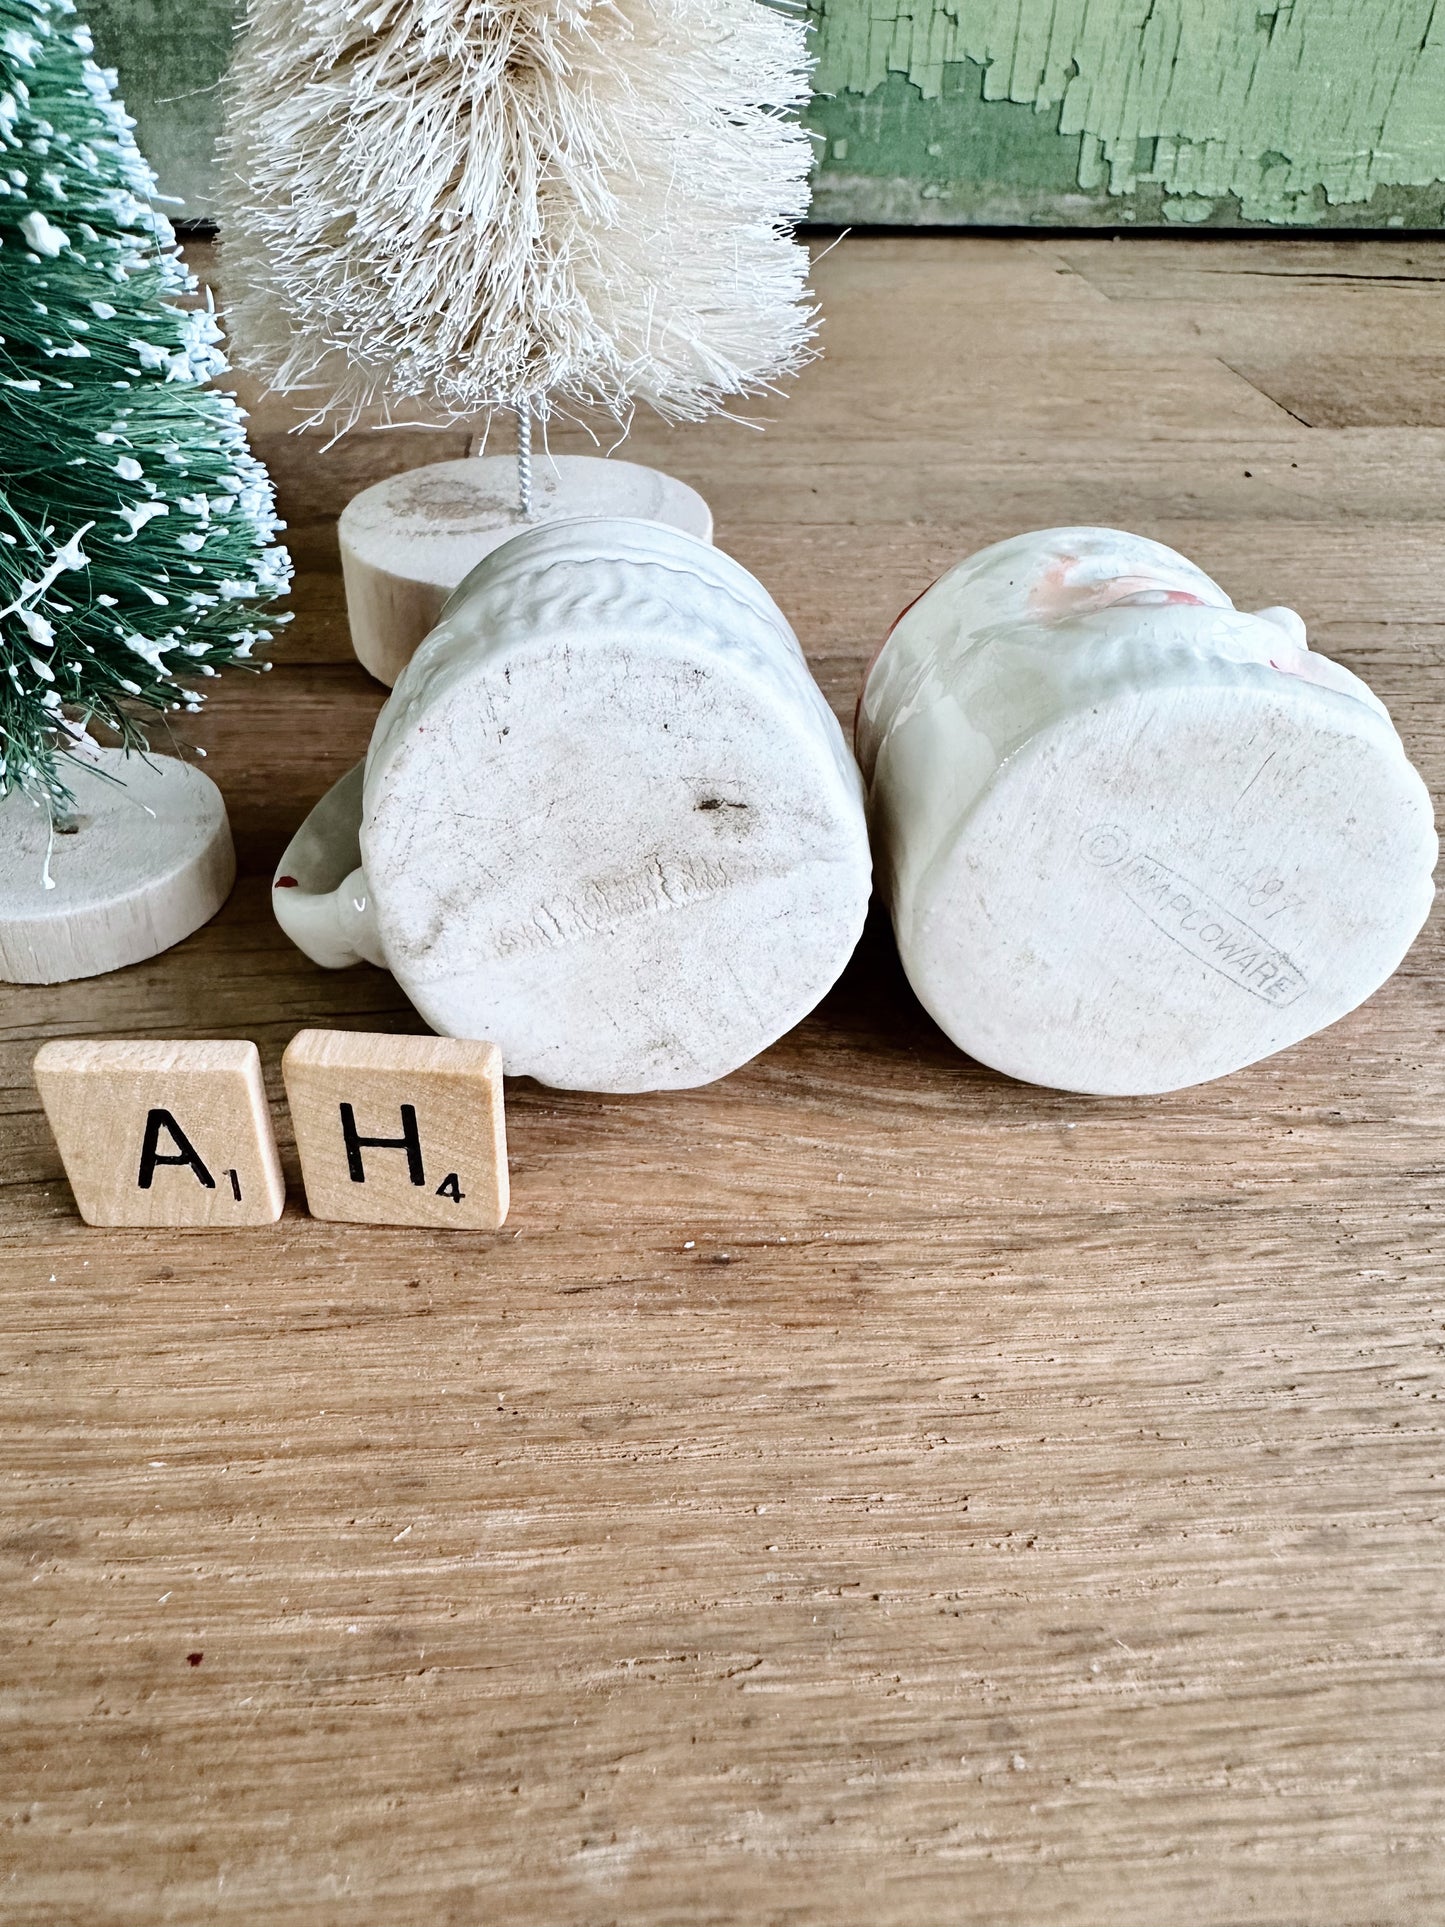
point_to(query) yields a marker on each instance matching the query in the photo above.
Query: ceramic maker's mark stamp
(1194, 920)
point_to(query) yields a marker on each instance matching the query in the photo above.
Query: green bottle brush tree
(135, 525)
(137, 530)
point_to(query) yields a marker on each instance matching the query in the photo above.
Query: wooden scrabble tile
(157, 1133)
(399, 1130)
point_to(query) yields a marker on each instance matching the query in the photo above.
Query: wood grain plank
(865, 1491)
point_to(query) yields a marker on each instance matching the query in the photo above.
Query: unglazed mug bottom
(1172, 884)
(607, 820)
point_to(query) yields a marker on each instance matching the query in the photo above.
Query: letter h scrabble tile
(399, 1130)
(157, 1133)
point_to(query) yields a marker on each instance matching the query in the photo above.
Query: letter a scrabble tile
(399, 1130)
(155, 1133)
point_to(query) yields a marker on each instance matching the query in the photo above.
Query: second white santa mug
(1131, 838)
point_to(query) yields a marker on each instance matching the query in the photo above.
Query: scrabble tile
(399, 1130)
(156, 1133)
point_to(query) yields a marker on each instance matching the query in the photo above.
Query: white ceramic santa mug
(607, 819)
(1132, 838)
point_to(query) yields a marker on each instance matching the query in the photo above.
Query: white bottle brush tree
(135, 526)
(437, 209)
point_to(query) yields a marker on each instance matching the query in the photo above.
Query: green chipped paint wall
(1304, 112)
(1096, 112)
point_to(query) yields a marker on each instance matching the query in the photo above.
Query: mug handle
(320, 893)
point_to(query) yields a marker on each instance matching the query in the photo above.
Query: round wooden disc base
(408, 541)
(148, 861)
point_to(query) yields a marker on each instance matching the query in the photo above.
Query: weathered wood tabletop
(866, 1491)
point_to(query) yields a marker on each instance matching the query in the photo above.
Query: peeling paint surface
(1285, 109)
(1306, 112)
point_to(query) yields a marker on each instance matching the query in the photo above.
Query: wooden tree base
(145, 860)
(408, 541)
